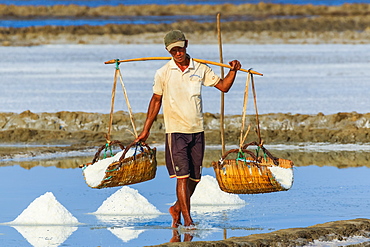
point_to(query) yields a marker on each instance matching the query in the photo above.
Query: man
(177, 85)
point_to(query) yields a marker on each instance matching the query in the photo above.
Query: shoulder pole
(169, 58)
(222, 110)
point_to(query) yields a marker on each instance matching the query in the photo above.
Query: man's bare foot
(191, 226)
(176, 221)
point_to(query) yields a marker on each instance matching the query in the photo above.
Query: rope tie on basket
(117, 64)
(108, 146)
(241, 155)
(138, 144)
(263, 150)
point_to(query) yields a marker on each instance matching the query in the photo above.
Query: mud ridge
(336, 230)
(261, 9)
(83, 127)
(64, 132)
(270, 23)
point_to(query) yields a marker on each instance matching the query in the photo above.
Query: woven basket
(249, 175)
(138, 168)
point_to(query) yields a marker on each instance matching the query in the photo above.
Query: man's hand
(142, 137)
(225, 84)
(235, 65)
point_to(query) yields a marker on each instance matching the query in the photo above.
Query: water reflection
(176, 237)
(125, 233)
(218, 209)
(123, 220)
(339, 155)
(42, 236)
(317, 190)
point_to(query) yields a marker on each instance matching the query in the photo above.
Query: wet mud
(336, 230)
(84, 128)
(261, 9)
(64, 132)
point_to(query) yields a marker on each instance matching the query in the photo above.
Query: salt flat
(305, 79)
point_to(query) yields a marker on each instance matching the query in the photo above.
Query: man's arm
(225, 84)
(153, 109)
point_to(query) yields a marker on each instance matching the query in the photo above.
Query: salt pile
(95, 173)
(209, 193)
(283, 175)
(127, 201)
(45, 210)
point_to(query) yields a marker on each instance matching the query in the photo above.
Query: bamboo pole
(169, 58)
(222, 110)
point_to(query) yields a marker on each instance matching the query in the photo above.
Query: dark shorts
(184, 155)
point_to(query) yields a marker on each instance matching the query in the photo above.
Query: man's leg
(175, 210)
(184, 189)
(196, 148)
(176, 157)
(183, 199)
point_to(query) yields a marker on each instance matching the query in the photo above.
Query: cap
(174, 38)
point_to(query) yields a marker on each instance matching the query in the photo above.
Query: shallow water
(319, 194)
(100, 21)
(297, 78)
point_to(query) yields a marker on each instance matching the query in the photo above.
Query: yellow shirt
(181, 95)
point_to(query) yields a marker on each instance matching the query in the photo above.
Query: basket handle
(138, 144)
(273, 158)
(237, 150)
(108, 144)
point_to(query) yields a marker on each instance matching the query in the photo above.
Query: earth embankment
(82, 127)
(266, 23)
(64, 132)
(257, 10)
(336, 231)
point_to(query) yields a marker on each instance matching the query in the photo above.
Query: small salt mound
(283, 175)
(95, 173)
(126, 201)
(208, 192)
(45, 210)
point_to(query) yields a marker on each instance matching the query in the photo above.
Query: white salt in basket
(123, 169)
